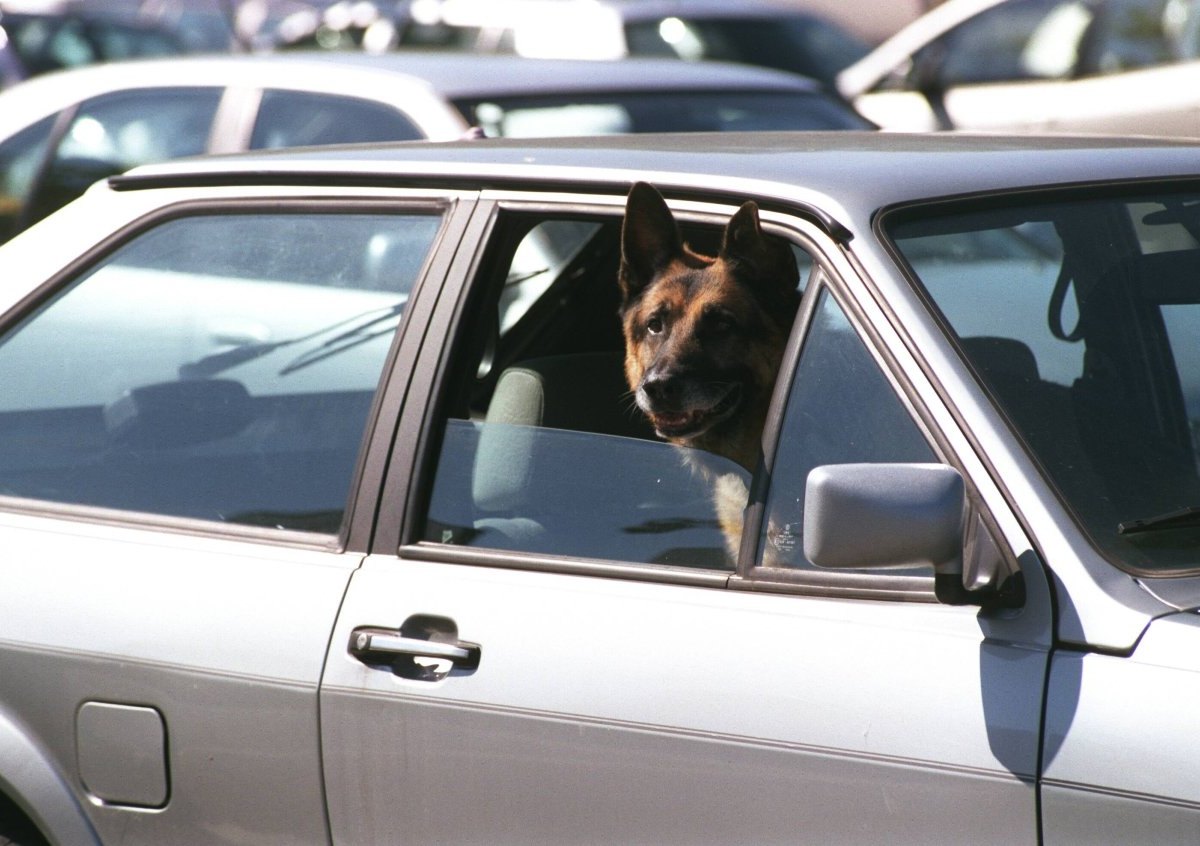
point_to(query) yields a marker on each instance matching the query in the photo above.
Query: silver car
(326, 517)
(1109, 66)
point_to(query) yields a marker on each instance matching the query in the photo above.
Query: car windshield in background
(802, 44)
(1082, 318)
(677, 111)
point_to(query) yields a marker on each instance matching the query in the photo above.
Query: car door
(550, 643)
(182, 433)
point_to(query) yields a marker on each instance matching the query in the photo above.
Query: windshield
(1082, 319)
(677, 111)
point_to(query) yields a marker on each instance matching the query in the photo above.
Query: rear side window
(300, 118)
(218, 367)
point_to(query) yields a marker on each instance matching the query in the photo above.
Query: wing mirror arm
(879, 516)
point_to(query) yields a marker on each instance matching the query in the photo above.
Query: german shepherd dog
(704, 335)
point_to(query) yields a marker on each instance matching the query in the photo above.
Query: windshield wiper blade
(211, 365)
(1181, 518)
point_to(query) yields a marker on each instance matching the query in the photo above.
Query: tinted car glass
(299, 118)
(21, 158)
(49, 42)
(805, 45)
(217, 367)
(1088, 346)
(113, 133)
(842, 410)
(678, 111)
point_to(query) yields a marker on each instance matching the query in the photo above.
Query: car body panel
(598, 699)
(1135, 698)
(549, 726)
(149, 620)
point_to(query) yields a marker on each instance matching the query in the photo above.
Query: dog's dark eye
(720, 323)
(654, 325)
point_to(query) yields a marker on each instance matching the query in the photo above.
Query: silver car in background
(325, 518)
(1106, 66)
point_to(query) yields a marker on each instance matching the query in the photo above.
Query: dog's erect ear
(766, 263)
(649, 239)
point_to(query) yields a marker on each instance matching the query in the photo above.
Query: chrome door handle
(421, 637)
(384, 644)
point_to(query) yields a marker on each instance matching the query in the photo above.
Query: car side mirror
(878, 516)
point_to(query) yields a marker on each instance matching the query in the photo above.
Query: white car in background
(61, 132)
(1112, 66)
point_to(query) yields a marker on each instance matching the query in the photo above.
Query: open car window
(544, 451)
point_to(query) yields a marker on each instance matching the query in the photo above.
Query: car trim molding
(395, 698)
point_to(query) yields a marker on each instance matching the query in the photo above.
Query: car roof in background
(454, 75)
(450, 75)
(471, 75)
(859, 172)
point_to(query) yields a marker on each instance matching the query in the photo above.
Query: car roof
(474, 75)
(850, 174)
(453, 74)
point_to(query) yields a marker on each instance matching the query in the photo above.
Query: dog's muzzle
(690, 415)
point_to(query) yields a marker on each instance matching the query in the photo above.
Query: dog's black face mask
(704, 335)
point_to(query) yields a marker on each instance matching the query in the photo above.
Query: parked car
(771, 33)
(326, 517)
(61, 132)
(38, 42)
(1120, 66)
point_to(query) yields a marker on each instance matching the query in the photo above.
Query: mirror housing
(878, 516)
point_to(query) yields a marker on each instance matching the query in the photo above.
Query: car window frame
(411, 474)
(365, 488)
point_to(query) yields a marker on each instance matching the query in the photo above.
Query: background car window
(1020, 39)
(842, 410)
(680, 111)
(21, 157)
(1133, 34)
(217, 367)
(113, 133)
(807, 45)
(299, 118)
(46, 42)
(1058, 39)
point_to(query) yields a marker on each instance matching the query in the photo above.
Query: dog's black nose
(662, 388)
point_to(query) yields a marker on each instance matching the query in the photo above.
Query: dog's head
(704, 335)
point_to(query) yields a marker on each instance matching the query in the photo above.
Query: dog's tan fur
(704, 335)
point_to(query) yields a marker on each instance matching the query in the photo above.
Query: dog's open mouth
(696, 421)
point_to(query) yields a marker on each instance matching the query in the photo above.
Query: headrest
(1005, 357)
(584, 391)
